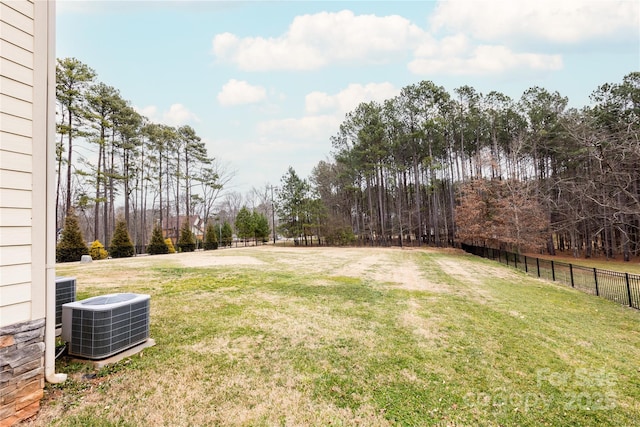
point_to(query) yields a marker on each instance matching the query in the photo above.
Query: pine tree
(227, 234)
(261, 224)
(98, 251)
(244, 224)
(186, 242)
(210, 237)
(157, 245)
(169, 243)
(121, 245)
(71, 246)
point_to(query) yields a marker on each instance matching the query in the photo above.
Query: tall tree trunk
(96, 213)
(105, 205)
(125, 173)
(370, 204)
(160, 188)
(58, 183)
(381, 212)
(416, 173)
(178, 196)
(112, 197)
(69, 164)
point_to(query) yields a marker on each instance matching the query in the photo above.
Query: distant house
(171, 228)
(27, 211)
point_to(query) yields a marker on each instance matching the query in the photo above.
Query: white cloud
(236, 92)
(556, 21)
(177, 115)
(481, 60)
(482, 38)
(149, 111)
(349, 98)
(314, 41)
(303, 130)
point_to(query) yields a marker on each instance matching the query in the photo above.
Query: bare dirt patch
(210, 259)
(472, 277)
(396, 268)
(426, 330)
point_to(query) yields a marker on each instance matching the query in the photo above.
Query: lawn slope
(319, 336)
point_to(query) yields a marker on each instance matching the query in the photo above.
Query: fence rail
(623, 288)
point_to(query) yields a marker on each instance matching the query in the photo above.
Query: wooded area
(113, 161)
(432, 167)
(425, 167)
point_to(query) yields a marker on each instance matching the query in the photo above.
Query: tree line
(424, 167)
(112, 161)
(433, 167)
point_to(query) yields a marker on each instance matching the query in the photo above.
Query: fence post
(595, 279)
(538, 265)
(553, 271)
(626, 278)
(571, 274)
(526, 267)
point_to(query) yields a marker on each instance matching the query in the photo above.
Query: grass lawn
(373, 337)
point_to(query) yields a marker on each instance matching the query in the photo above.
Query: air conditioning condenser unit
(99, 327)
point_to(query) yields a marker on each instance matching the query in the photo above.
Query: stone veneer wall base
(21, 371)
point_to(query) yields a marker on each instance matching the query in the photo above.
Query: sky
(266, 84)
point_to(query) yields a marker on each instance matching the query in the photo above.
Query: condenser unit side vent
(65, 293)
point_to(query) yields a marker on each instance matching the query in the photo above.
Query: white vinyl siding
(15, 254)
(12, 33)
(15, 313)
(13, 145)
(13, 218)
(19, 77)
(14, 274)
(17, 72)
(16, 54)
(15, 236)
(19, 180)
(19, 14)
(15, 294)
(15, 124)
(16, 107)
(16, 89)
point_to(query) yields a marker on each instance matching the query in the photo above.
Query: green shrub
(71, 246)
(186, 242)
(121, 245)
(157, 245)
(340, 237)
(98, 251)
(227, 234)
(210, 237)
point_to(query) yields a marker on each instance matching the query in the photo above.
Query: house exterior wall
(27, 124)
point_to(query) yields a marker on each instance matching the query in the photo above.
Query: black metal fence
(623, 288)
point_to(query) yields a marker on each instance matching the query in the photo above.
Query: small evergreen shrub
(172, 249)
(342, 236)
(98, 251)
(157, 245)
(121, 245)
(210, 238)
(186, 242)
(227, 234)
(72, 245)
